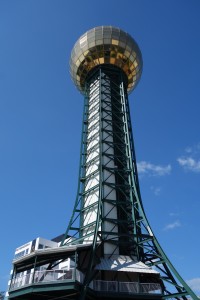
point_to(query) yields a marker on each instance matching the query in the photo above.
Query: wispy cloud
(188, 149)
(174, 214)
(146, 168)
(156, 190)
(173, 225)
(194, 284)
(189, 163)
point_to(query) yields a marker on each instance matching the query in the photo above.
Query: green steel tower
(112, 249)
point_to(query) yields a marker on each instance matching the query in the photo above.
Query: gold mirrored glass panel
(106, 45)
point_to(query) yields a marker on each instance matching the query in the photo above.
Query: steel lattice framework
(109, 249)
(109, 188)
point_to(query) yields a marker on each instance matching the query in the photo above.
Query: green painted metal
(47, 289)
(139, 240)
(76, 215)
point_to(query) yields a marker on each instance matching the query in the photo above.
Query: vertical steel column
(109, 207)
(105, 207)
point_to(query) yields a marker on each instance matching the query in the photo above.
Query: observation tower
(109, 245)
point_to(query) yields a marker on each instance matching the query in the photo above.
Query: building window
(21, 253)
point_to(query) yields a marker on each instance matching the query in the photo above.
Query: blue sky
(41, 115)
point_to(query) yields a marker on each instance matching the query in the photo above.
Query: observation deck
(105, 45)
(73, 278)
(50, 283)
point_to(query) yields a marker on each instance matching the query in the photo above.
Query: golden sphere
(105, 45)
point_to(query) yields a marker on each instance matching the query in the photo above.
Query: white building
(37, 244)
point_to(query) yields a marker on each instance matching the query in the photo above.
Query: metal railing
(127, 287)
(45, 276)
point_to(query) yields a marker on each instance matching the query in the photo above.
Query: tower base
(42, 275)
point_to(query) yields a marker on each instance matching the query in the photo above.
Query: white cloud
(173, 225)
(194, 284)
(156, 190)
(193, 150)
(173, 214)
(189, 163)
(191, 160)
(188, 150)
(146, 168)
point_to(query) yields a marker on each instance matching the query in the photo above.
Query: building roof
(58, 238)
(124, 264)
(45, 256)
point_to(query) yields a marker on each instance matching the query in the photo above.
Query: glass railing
(45, 276)
(57, 276)
(127, 287)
